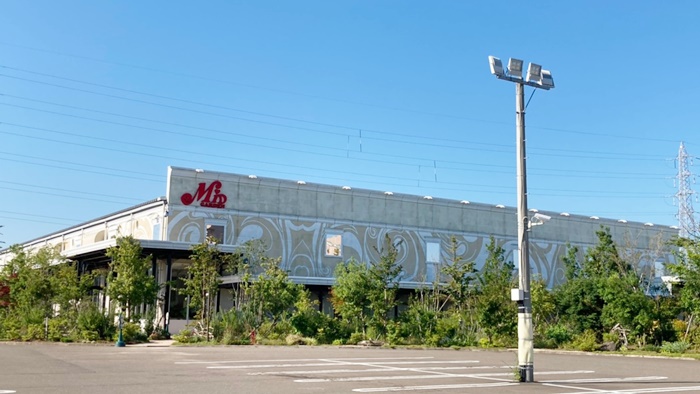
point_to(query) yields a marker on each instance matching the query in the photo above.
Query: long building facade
(314, 227)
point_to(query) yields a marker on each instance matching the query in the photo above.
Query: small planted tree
(128, 281)
(384, 277)
(202, 281)
(350, 294)
(495, 312)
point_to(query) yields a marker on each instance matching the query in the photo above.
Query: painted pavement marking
(441, 376)
(340, 371)
(302, 359)
(332, 362)
(435, 387)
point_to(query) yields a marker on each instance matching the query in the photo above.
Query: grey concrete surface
(159, 368)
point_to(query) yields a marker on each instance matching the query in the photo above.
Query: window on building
(334, 244)
(156, 231)
(216, 231)
(432, 251)
(659, 269)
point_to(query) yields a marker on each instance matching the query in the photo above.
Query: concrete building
(314, 227)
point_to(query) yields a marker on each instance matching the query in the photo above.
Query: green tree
(687, 291)
(128, 281)
(36, 286)
(459, 276)
(350, 294)
(271, 294)
(603, 291)
(384, 277)
(495, 311)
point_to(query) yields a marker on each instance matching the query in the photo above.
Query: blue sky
(98, 98)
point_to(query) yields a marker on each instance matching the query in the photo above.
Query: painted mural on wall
(301, 244)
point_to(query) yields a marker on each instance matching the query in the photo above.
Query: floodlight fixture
(496, 66)
(515, 68)
(547, 80)
(534, 73)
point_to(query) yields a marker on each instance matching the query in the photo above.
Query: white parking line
(441, 376)
(607, 380)
(332, 362)
(339, 371)
(635, 391)
(300, 359)
(436, 387)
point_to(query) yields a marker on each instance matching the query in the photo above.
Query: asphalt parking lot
(59, 368)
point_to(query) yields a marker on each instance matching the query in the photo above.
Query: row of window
(333, 243)
(334, 247)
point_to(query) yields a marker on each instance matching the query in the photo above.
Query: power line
(508, 147)
(208, 155)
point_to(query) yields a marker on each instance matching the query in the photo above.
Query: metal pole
(525, 344)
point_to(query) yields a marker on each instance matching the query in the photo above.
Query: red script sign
(209, 197)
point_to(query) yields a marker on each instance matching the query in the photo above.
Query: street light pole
(525, 343)
(542, 79)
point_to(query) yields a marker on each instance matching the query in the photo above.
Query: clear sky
(97, 98)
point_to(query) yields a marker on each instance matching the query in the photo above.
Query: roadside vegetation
(606, 302)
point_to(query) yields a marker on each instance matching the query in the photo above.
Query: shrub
(294, 339)
(11, 328)
(34, 332)
(678, 347)
(59, 329)
(131, 333)
(187, 336)
(585, 341)
(93, 325)
(355, 338)
(553, 336)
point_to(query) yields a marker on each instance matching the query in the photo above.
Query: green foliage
(187, 336)
(678, 347)
(35, 286)
(384, 277)
(364, 295)
(128, 281)
(688, 269)
(459, 276)
(349, 294)
(202, 281)
(61, 330)
(131, 333)
(355, 338)
(496, 313)
(557, 335)
(271, 294)
(603, 291)
(94, 325)
(544, 307)
(312, 323)
(586, 341)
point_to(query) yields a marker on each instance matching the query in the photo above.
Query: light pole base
(526, 373)
(120, 341)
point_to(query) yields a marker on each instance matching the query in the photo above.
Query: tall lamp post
(541, 79)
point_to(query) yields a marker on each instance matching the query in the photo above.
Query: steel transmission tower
(686, 214)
